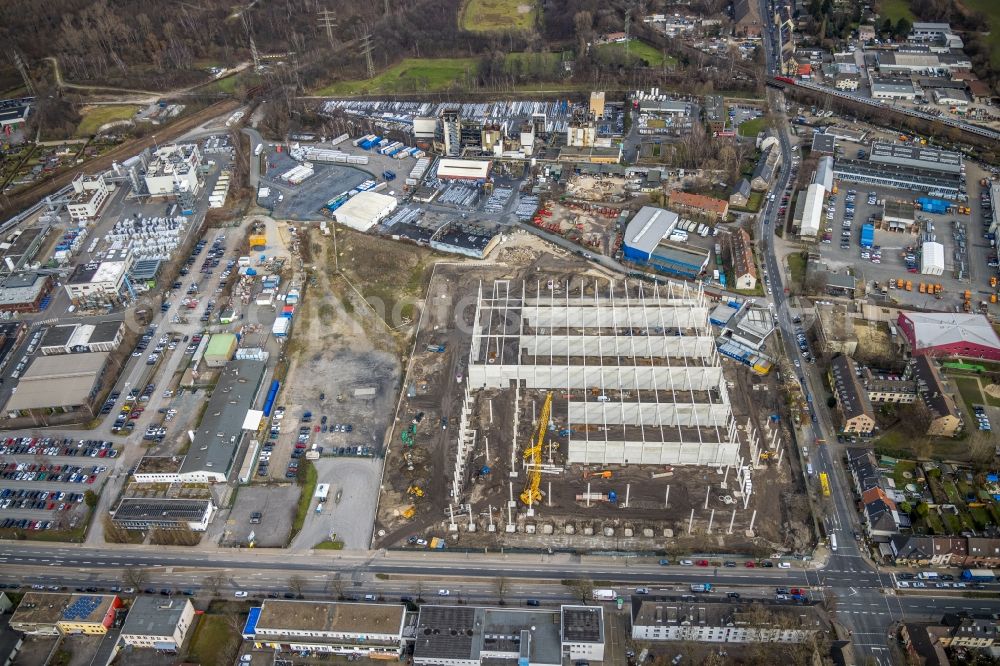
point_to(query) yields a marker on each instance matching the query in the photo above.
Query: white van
(809, 469)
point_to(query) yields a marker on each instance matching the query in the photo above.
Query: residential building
(853, 402)
(984, 552)
(863, 465)
(744, 266)
(174, 170)
(746, 18)
(699, 204)
(158, 623)
(880, 516)
(970, 631)
(949, 551)
(923, 644)
(912, 550)
(471, 636)
(946, 419)
(950, 334)
(24, 292)
(741, 194)
(889, 389)
(89, 195)
(374, 631)
(705, 621)
(44, 614)
(145, 513)
(765, 169)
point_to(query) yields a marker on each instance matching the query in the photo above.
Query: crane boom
(531, 494)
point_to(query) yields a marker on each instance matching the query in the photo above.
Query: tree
(135, 577)
(583, 589)
(906, 508)
(923, 509)
(214, 582)
(501, 584)
(903, 27)
(90, 498)
(418, 589)
(886, 27)
(337, 585)
(296, 584)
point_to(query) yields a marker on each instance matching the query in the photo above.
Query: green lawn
(307, 482)
(902, 467)
(896, 9)
(652, 56)
(410, 75)
(971, 395)
(99, 115)
(797, 268)
(211, 639)
(991, 8)
(752, 127)
(498, 15)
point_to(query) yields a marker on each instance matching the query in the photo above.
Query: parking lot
(351, 518)
(275, 505)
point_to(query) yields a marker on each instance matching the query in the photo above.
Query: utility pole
(25, 75)
(366, 48)
(328, 21)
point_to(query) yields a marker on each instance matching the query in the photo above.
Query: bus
(824, 481)
(833, 542)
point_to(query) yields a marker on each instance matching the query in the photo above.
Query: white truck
(605, 595)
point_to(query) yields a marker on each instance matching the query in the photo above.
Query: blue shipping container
(867, 235)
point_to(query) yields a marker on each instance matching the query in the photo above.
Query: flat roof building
(221, 347)
(468, 238)
(375, 631)
(918, 157)
(823, 144)
(812, 212)
(365, 209)
(720, 621)
(219, 436)
(106, 278)
(44, 614)
(937, 183)
(51, 384)
(158, 623)
(89, 195)
(893, 89)
(145, 513)
(24, 292)
(715, 112)
(104, 336)
(949, 334)
(173, 170)
(470, 636)
(471, 170)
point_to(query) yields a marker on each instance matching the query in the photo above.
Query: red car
(750, 564)
(702, 563)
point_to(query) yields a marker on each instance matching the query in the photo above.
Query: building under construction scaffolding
(633, 367)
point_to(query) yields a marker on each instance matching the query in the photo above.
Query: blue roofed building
(644, 243)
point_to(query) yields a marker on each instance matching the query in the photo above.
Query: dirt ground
(605, 189)
(592, 226)
(419, 476)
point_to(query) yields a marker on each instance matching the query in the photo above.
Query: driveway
(353, 517)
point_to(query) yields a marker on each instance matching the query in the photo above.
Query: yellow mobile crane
(533, 454)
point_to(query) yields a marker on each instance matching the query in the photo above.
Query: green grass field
(992, 10)
(411, 75)
(498, 15)
(895, 10)
(752, 127)
(971, 394)
(211, 639)
(99, 115)
(652, 56)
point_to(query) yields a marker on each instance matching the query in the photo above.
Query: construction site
(592, 226)
(594, 412)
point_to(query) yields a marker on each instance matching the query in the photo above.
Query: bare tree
(135, 576)
(214, 582)
(501, 584)
(336, 584)
(418, 589)
(296, 584)
(583, 589)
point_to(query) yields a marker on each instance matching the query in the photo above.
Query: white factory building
(89, 194)
(634, 368)
(365, 209)
(173, 169)
(470, 170)
(812, 213)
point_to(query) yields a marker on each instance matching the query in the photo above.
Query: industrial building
(146, 513)
(715, 113)
(174, 170)
(893, 89)
(593, 155)
(51, 384)
(158, 623)
(89, 195)
(14, 112)
(42, 614)
(898, 215)
(374, 631)
(659, 396)
(581, 134)
(103, 336)
(473, 636)
(812, 211)
(824, 173)
(103, 279)
(466, 170)
(364, 210)
(218, 438)
(470, 239)
(918, 157)
(949, 334)
(722, 621)
(824, 144)
(644, 243)
(221, 347)
(898, 176)
(24, 292)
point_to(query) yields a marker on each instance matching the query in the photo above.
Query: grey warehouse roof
(154, 616)
(649, 226)
(916, 156)
(218, 435)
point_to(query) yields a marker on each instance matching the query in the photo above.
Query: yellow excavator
(415, 490)
(533, 455)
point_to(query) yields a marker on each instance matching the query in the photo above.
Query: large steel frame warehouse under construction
(633, 367)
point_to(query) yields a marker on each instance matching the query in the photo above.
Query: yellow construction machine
(533, 455)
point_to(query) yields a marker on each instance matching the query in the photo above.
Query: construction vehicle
(602, 474)
(900, 283)
(415, 490)
(408, 512)
(993, 281)
(407, 435)
(967, 295)
(533, 455)
(909, 285)
(923, 289)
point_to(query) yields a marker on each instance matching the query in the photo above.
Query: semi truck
(978, 576)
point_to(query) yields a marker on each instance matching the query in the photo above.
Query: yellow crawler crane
(533, 454)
